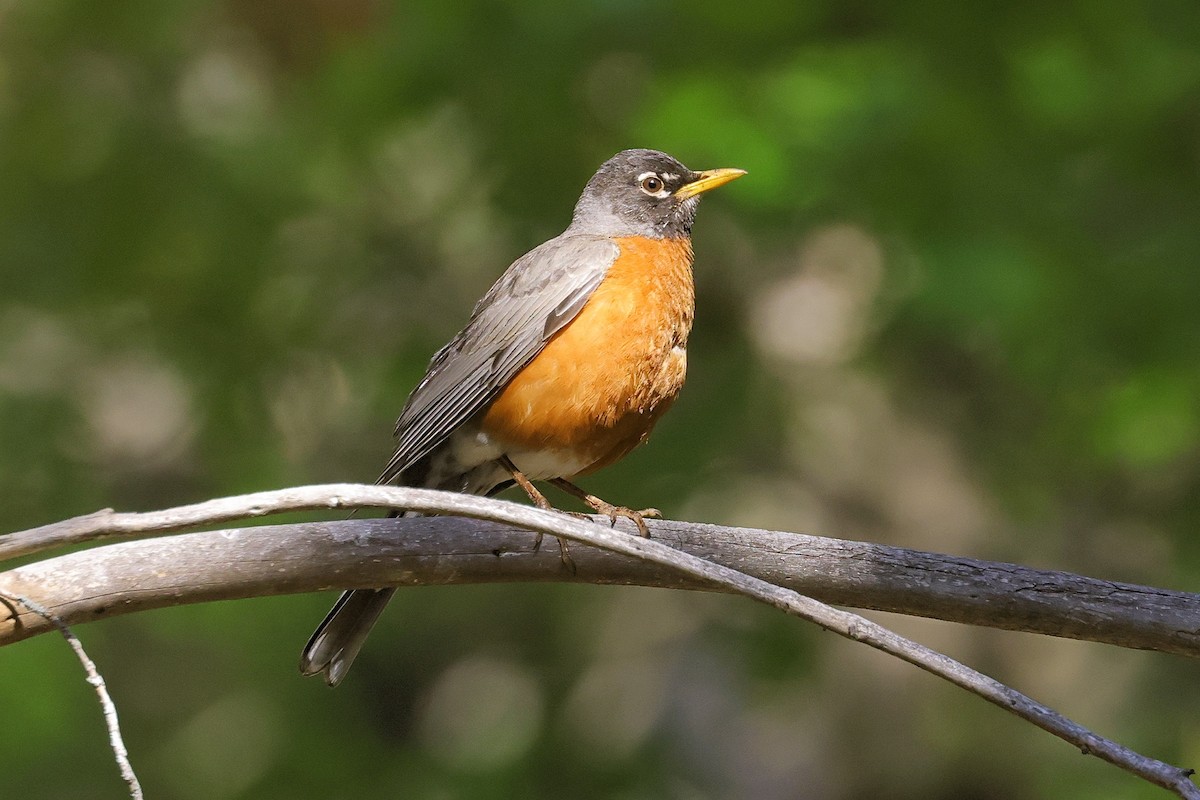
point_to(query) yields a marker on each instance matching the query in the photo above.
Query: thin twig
(844, 623)
(120, 753)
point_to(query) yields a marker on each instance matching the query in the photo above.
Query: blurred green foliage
(954, 306)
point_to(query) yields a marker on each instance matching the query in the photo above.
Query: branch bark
(705, 572)
(360, 553)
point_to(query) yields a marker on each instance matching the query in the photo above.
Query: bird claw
(638, 517)
(564, 554)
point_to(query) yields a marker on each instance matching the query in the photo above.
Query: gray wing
(535, 297)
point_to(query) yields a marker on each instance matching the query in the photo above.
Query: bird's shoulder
(559, 263)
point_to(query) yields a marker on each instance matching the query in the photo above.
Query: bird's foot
(609, 510)
(638, 517)
(564, 553)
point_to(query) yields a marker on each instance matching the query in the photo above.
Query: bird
(564, 366)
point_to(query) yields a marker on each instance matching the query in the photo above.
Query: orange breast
(601, 383)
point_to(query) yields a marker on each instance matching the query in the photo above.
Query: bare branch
(108, 523)
(120, 753)
(366, 553)
(708, 572)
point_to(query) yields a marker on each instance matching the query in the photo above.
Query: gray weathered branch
(275, 570)
(306, 557)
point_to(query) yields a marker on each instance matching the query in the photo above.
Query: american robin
(564, 366)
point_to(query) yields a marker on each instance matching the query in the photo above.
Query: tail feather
(340, 636)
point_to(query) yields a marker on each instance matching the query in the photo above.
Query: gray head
(644, 193)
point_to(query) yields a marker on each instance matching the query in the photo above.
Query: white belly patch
(545, 464)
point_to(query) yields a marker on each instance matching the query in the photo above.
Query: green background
(952, 307)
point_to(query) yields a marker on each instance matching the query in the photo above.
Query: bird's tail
(340, 636)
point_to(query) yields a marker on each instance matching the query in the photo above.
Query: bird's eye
(651, 184)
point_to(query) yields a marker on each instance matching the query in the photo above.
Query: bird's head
(645, 193)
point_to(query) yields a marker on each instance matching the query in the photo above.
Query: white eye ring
(652, 184)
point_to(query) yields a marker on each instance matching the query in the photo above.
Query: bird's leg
(608, 509)
(537, 497)
(541, 502)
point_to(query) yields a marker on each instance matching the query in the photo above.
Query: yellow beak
(709, 179)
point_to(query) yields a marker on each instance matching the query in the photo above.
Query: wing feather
(534, 299)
